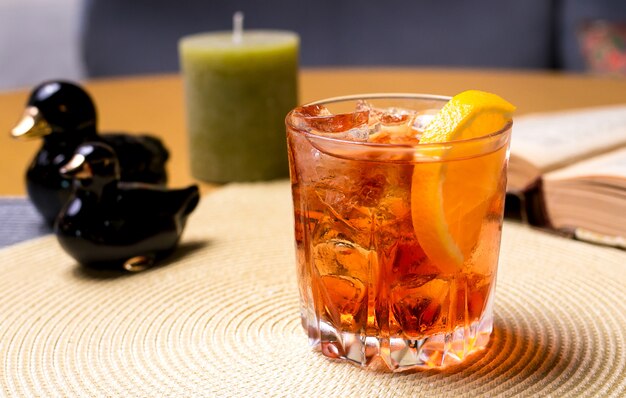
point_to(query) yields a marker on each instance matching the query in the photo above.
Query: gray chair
(140, 36)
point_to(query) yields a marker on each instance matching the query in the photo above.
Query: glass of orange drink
(398, 203)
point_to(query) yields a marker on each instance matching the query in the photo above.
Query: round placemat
(220, 318)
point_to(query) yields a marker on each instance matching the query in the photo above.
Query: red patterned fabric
(603, 45)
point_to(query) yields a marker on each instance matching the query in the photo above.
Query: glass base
(399, 354)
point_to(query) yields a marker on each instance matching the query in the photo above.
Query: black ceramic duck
(108, 224)
(65, 116)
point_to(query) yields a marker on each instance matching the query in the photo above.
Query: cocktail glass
(397, 242)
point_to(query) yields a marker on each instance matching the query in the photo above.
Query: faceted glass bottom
(432, 352)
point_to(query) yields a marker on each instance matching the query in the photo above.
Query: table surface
(68, 331)
(155, 104)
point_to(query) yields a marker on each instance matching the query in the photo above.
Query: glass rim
(377, 145)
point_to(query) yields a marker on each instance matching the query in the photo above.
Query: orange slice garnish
(450, 199)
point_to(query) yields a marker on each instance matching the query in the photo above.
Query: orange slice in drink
(449, 200)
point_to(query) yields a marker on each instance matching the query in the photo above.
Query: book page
(553, 140)
(611, 164)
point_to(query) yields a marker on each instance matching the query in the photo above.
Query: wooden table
(155, 104)
(208, 323)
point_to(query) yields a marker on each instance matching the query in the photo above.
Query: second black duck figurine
(63, 114)
(108, 224)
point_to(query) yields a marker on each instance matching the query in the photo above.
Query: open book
(573, 164)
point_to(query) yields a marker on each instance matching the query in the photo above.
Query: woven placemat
(221, 319)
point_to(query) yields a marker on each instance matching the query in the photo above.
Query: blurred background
(78, 39)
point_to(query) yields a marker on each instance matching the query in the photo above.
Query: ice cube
(410, 259)
(343, 268)
(362, 105)
(343, 298)
(342, 257)
(393, 126)
(318, 119)
(312, 111)
(422, 120)
(394, 116)
(419, 304)
(373, 124)
(301, 115)
(361, 133)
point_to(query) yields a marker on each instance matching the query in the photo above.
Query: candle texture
(239, 86)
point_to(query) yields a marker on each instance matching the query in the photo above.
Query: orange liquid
(361, 269)
(367, 287)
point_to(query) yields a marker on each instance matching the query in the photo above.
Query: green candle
(239, 87)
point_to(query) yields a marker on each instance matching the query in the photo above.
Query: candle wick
(238, 27)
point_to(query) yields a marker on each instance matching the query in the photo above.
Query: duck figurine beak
(77, 167)
(32, 125)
